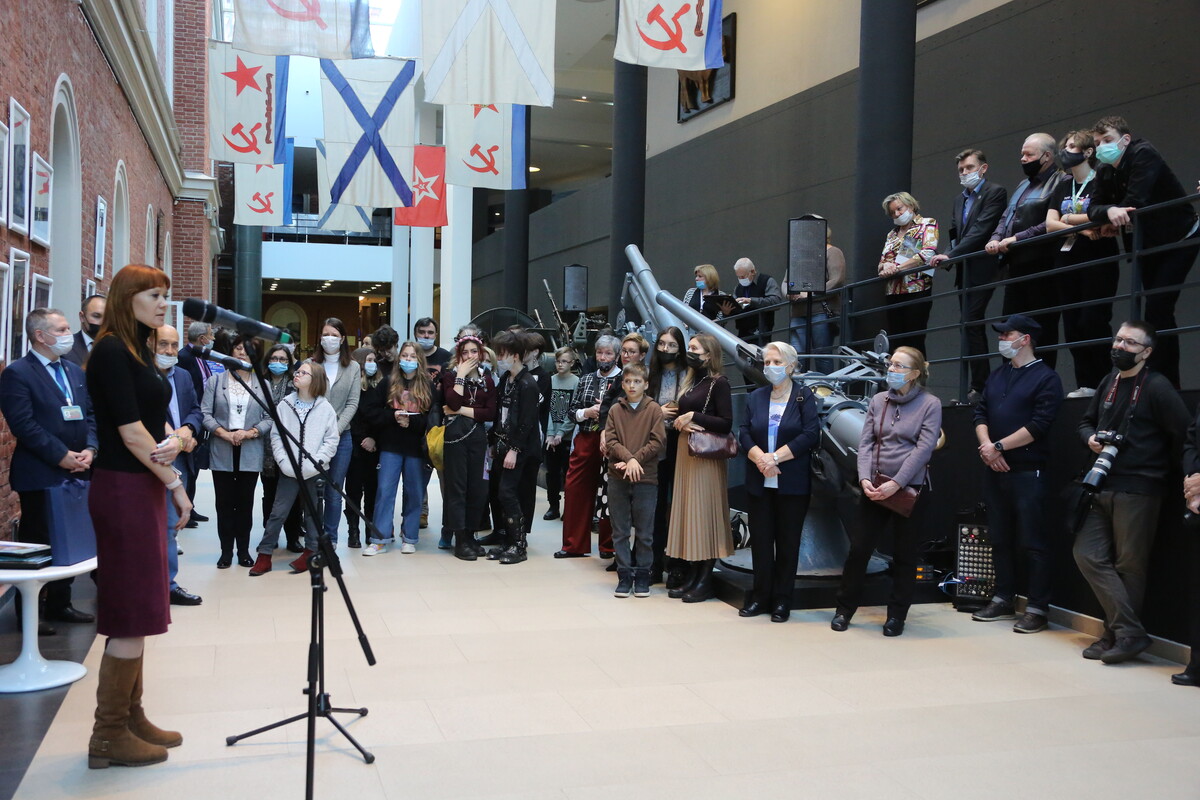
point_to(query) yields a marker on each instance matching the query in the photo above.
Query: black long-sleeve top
(1191, 447)
(477, 394)
(124, 391)
(718, 416)
(1021, 397)
(518, 426)
(1141, 179)
(390, 435)
(1153, 439)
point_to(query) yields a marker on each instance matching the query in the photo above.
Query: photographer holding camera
(1136, 419)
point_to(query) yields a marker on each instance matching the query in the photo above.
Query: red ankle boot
(262, 565)
(301, 563)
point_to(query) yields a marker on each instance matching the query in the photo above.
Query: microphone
(228, 362)
(205, 311)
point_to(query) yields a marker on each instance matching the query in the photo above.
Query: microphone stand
(319, 703)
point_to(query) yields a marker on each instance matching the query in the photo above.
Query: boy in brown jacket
(634, 436)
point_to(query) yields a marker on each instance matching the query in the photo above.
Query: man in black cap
(1012, 422)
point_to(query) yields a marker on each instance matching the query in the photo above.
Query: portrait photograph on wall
(18, 167)
(42, 187)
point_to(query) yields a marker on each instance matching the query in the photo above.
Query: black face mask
(695, 360)
(1071, 160)
(1123, 359)
(1031, 168)
(92, 329)
(667, 358)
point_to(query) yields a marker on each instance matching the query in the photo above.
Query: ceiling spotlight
(534, 169)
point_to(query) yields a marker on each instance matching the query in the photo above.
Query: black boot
(353, 538)
(496, 537)
(515, 553)
(552, 513)
(464, 546)
(502, 541)
(683, 575)
(703, 589)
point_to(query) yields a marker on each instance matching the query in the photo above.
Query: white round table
(30, 672)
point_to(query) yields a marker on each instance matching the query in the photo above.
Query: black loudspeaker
(575, 287)
(806, 254)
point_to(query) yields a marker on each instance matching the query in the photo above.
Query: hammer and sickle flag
(247, 105)
(262, 193)
(334, 29)
(485, 145)
(672, 34)
(488, 51)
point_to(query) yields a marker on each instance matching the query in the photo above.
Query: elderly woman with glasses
(899, 436)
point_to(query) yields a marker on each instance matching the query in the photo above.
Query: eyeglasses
(1121, 341)
(896, 366)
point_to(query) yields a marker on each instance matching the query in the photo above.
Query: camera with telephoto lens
(1112, 442)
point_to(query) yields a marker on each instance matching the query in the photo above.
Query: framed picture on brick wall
(16, 286)
(42, 192)
(101, 236)
(17, 195)
(89, 289)
(41, 292)
(3, 175)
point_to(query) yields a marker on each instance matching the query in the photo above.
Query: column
(247, 270)
(516, 239)
(420, 277)
(399, 317)
(628, 175)
(456, 263)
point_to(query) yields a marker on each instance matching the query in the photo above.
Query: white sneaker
(374, 549)
(408, 547)
(1082, 391)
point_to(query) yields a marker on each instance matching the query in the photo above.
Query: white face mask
(331, 344)
(904, 218)
(970, 180)
(745, 281)
(62, 344)
(165, 362)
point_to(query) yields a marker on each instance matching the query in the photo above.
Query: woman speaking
(128, 509)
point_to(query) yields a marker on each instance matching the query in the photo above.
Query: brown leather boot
(143, 728)
(112, 742)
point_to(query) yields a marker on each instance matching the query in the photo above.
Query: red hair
(119, 320)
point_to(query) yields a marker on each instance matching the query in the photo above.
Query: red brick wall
(48, 38)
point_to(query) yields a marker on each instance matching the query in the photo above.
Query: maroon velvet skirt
(129, 513)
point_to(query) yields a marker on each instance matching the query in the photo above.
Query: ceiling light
(535, 169)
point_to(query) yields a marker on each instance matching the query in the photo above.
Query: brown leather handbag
(706, 444)
(905, 498)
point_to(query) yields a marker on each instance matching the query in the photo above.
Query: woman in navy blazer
(778, 434)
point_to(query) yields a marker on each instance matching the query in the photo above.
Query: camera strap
(1111, 397)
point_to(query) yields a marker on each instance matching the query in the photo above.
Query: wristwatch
(999, 445)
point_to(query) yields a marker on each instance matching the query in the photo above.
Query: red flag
(428, 209)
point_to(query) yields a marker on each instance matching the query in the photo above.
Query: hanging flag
(675, 34)
(337, 216)
(247, 105)
(489, 51)
(370, 130)
(259, 194)
(428, 208)
(485, 145)
(320, 28)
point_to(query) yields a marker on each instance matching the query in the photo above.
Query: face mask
(896, 380)
(1109, 152)
(744, 281)
(409, 366)
(1031, 168)
(504, 365)
(427, 344)
(165, 362)
(775, 374)
(277, 367)
(370, 368)
(695, 360)
(1123, 359)
(667, 358)
(701, 284)
(485, 366)
(1008, 349)
(605, 365)
(904, 218)
(1069, 161)
(92, 329)
(62, 344)
(202, 349)
(970, 180)
(331, 344)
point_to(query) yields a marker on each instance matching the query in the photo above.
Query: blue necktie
(61, 378)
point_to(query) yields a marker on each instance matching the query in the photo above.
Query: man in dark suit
(185, 421)
(90, 317)
(45, 401)
(976, 212)
(191, 361)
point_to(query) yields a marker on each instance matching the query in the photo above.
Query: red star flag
(485, 145)
(319, 28)
(488, 51)
(258, 194)
(428, 208)
(675, 34)
(247, 105)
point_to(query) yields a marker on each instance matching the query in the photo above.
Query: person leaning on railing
(909, 245)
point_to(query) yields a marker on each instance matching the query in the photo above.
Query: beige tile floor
(532, 681)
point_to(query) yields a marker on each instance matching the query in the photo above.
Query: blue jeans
(393, 467)
(333, 497)
(172, 543)
(824, 327)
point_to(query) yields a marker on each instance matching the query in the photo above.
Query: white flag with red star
(258, 191)
(485, 145)
(247, 105)
(675, 34)
(428, 209)
(318, 28)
